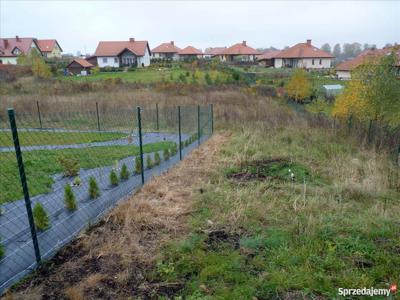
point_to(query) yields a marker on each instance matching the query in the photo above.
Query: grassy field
(41, 165)
(256, 233)
(56, 138)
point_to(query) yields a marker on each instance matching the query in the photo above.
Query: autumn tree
(299, 86)
(34, 59)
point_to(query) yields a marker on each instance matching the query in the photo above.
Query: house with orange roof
(344, 69)
(166, 51)
(212, 52)
(239, 52)
(11, 48)
(267, 59)
(190, 53)
(50, 48)
(303, 55)
(79, 66)
(129, 53)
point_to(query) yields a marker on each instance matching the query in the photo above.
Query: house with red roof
(166, 51)
(239, 52)
(129, 53)
(212, 52)
(344, 69)
(11, 48)
(79, 66)
(303, 55)
(190, 53)
(267, 59)
(50, 48)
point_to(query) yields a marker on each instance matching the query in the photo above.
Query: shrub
(157, 159)
(94, 191)
(69, 198)
(166, 154)
(77, 181)
(174, 150)
(208, 79)
(113, 178)
(40, 217)
(124, 174)
(70, 166)
(95, 70)
(138, 165)
(149, 162)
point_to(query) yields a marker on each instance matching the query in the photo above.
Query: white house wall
(145, 59)
(307, 63)
(111, 62)
(8, 60)
(343, 74)
(278, 63)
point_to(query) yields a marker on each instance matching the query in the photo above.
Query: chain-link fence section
(62, 171)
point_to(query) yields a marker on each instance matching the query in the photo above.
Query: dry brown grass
(111, 260)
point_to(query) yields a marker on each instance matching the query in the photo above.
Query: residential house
(166, 51)
(267, 59)
(11, 48)
(129, 53)
(303, 55)
(239, 52)
(212, 52)
(79, 66)
(50, 48)
(344, 69)
(190, 53)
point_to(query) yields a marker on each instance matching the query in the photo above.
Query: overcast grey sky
(79, 25)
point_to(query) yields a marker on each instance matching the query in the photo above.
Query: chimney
(244, 43)
(308, 42)
(5, 43)
(172, 43)
(132, 40)
(17, 38)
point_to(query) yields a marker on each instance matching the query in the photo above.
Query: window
(320, 61)
(116, 59)
(104, 59)
(312, 61)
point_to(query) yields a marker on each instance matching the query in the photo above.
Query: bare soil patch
(112, 259)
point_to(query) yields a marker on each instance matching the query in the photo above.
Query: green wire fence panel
(78, 162)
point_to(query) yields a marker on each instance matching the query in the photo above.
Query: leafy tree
(299, 86)
(34, 59)
(94, 191)
(337, 50)
(326, 47)
(69, 198)
(40, 217)
(113, 178)
(124, 174)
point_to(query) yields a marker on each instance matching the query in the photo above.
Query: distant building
(213, 52)
(11, 48)
(123, 53)
(303, 55)
(79, 66)
(166, 51)
(267, 59)
(344, 69)
(50, 48)
(189, 53)
(239, 52)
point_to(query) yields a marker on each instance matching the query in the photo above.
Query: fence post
(212, 118)
(180, 133)
(18, 153)
(139, 120)
(157, 120)
(40, 117)
(198, 125)
(97, 114)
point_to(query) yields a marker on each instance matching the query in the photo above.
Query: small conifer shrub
(149, 162)
(113, 178)
(40, 217)
(166, 154)
(69, 198)
(124, 174)
(138, 165)
(157, 159)
(94, 191)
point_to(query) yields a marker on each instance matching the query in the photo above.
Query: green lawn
(57, 138)
(40, 165)
(335, 225)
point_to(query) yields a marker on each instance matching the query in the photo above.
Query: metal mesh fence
(62, 171)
